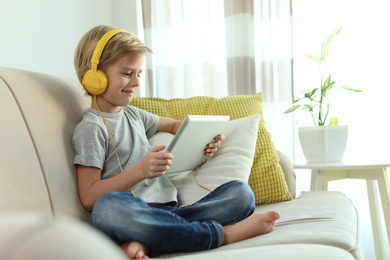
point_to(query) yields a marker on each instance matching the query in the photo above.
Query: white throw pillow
(232, 161)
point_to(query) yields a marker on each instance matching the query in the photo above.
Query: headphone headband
(100, 46)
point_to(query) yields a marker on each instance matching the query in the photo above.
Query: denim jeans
(168, 229)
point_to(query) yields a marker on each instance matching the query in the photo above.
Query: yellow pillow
(266, 179)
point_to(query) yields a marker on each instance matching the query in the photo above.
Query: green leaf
(308, 108)
(315, 58)
(309, 93)
(334, 121)
(352, 89)
(309, 90)
(291, 109)
(297, 100)
(326, 44)
(327, 86)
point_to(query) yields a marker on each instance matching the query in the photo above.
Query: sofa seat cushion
(320, 217)
(279, 252)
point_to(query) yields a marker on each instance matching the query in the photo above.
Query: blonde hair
(119, 45)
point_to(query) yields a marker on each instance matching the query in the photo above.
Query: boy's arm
(169, 125)
(91, 186)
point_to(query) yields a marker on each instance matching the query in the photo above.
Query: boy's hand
(212, 148)
(156, 163)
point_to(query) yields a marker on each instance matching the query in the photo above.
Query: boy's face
(123, 81)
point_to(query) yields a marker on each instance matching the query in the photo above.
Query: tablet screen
(191, 139)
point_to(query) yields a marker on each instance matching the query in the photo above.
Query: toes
(272, 216)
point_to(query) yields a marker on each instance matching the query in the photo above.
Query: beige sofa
(41, 216)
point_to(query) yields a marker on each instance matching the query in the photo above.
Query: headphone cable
(112, 140)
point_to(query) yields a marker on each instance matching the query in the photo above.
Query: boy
(121, 178)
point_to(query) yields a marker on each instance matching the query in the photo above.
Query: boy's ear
(95, 82)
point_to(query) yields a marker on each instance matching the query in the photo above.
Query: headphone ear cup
(95, 82)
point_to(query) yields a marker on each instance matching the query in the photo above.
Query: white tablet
(191, 139)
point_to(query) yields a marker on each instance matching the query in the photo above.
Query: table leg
(313, 180)
(384, 189)
(372, 192)
(317, 181)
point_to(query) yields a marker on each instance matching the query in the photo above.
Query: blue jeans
(168, 229)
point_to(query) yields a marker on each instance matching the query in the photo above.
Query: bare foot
(252, 226)
(135, 250)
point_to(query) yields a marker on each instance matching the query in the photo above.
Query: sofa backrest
(37, 117)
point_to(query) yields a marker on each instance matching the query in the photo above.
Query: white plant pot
(323, 143)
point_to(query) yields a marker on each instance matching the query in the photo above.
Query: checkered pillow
(266, 179)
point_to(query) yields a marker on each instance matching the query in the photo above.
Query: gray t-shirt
(130, 129)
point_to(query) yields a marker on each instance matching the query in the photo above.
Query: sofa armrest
(289, 172)
(34, 235)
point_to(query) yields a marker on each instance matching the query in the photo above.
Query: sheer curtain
(221, 48)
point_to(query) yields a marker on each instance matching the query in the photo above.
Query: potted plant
(321, 143)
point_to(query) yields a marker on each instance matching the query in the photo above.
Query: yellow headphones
(95, 81)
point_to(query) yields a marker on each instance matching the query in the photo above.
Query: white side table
(322, 173)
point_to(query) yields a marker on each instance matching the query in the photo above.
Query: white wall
(41, 35)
